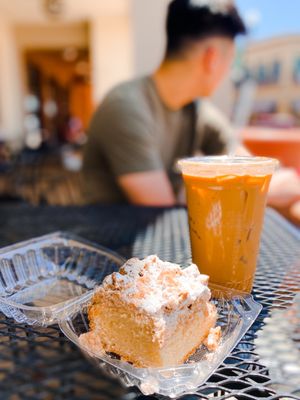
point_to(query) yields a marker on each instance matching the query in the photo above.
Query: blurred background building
(58, 58)
(274, 64)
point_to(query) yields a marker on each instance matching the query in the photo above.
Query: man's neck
(175, 85)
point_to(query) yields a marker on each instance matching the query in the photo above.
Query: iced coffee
(226, 200)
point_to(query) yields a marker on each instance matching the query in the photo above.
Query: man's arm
(284, 188)
(151, 188)
(132, 154)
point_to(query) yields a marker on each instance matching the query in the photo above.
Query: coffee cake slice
(152, 313)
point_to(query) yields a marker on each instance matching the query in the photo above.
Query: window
(295, 107)
(268, 74)
(296, 73)
(275, 72)
(261, 76)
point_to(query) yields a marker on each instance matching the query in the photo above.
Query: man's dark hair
(191, 20)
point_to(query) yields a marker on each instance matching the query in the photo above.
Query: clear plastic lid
(45, 279)
(226, 165)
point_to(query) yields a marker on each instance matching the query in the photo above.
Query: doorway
(59, 97)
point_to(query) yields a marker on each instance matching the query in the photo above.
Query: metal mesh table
(39, 363)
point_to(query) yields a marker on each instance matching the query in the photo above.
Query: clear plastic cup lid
(227, 165)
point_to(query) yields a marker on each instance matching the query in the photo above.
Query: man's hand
(294, 212)
(151, 188)
(284, 193)
(284, 189)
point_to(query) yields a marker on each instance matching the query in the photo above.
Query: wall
(111, 53)
(148, 32)
(127, 45)
(51, 36)
(11, 116)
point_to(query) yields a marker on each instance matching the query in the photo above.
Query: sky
(271, 17)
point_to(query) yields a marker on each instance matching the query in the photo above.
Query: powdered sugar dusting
(156, 286)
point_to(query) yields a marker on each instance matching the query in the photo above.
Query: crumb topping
(157, 286)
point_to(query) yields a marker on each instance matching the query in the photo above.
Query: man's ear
(209, 59)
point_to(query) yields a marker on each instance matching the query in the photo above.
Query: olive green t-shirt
(134, 131)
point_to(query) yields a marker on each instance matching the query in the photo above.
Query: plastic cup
(226, 199)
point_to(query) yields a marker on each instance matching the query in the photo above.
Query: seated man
(143, 126)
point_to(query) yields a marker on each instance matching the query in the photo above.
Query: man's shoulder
(127, 94)
(123, 111)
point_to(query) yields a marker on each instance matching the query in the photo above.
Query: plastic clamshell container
(51, 279)
(236, 314)
(45, 279)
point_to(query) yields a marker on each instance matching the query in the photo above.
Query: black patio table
(40, 363)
